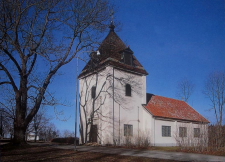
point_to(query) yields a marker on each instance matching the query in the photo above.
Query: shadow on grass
(38, 153)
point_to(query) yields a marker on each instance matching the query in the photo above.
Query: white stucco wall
(123, 105)
(86, 85)
(128, 110)
(190, 140)
(31, 137)
(175, 139)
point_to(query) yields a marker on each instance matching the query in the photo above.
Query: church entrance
(94, 133)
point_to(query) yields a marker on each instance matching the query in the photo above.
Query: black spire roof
(112, 51)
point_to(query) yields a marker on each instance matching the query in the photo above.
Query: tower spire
(112, 26)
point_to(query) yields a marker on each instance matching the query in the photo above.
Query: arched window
(128, 90)
(93, 92)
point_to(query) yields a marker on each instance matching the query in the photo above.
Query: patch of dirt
(46, 153)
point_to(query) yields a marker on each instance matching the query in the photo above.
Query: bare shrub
(143, 141)
(128, 142)
(192, 141)
(138, 141)
(216, 137)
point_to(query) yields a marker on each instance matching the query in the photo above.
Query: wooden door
(94, 133)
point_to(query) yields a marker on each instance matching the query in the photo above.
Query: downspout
(113, 108)
(75, 140)
(138, 122)
(154, 131)
(119, 124)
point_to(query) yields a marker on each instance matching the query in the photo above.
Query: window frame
(128, 90)
(196, 133)
(128, 130)
(166, 131)
(182, 131)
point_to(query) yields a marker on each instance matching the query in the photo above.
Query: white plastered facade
(110, 117)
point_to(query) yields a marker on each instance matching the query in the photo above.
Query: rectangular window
(128, 130)
(127, 58)
(182, 131)
(128, 90)
(196, 132)
(166, 131)
(93, 92)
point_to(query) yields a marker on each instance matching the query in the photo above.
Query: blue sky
(173, 39)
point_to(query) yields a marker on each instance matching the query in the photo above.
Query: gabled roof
(173, 109)
(111, 52)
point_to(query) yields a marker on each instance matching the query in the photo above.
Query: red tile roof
(174, 109)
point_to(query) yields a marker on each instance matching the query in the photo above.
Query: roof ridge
(171, 98)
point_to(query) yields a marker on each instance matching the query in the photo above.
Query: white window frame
(166, 131)
(128, 130)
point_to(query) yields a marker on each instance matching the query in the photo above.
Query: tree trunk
(20, 124)
(91, 133)
(81, 132)
(19, 135)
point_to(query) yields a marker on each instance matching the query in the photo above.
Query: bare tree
(216, 137)
(215, 91)
(37, 34)
(185, 89)
(39, 121)
(7, 111)
(67, 133)
(48, 132)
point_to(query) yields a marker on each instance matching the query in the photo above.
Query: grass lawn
(46, 153)
(206, 151)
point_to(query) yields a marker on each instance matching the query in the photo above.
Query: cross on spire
(112, 26)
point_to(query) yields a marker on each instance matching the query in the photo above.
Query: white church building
(115, 107)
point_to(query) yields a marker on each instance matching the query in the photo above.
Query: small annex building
(115, 107)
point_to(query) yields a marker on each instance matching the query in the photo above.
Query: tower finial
(112, 26)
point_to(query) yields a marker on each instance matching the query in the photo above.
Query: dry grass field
(46, 153)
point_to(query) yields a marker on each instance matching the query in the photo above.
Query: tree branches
(39, 37)
(215, 91)
(185, 89)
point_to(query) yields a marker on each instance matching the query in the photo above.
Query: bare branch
(185, 89)
(9, 76)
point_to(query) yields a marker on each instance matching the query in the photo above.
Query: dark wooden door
(94, 133)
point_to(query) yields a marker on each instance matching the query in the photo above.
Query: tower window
(128, 90)
(93, 92)
(127, 56)
(128, 59)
